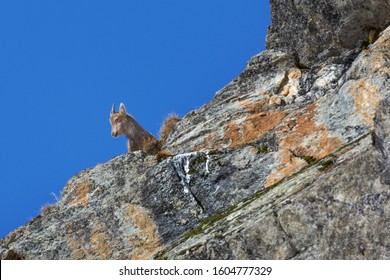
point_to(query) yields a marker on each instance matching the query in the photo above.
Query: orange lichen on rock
(101, 245)
(256, 125)
(306, 137)
(146, 240)
(252, 128)
(80, 196)
(288, 165)
(383, 42)
(76, 242)
(295, 74)
(367, 97)
(379, 64)
(303, 138)
(208, 142)
(94, 245)
(232, 133)
(245, 102)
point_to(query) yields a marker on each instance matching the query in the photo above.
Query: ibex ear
(122, 109)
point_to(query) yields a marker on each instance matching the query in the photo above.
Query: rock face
(306, 113)
(336, 211)
(290, 160)
(313, 30)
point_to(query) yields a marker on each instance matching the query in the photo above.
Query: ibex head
(118, 120)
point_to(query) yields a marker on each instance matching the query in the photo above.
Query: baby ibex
(123, 123)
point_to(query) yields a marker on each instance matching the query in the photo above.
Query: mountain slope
(290, 160)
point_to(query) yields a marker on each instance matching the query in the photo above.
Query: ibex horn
(113, 109)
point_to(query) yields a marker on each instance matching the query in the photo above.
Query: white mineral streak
(182, 165)
(207, 162)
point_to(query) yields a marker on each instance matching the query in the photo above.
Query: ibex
(123, 123)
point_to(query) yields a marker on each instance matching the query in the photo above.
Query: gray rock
(132, 206)
(315, 30)
(285, 162)
(342, 213)
(381, 137)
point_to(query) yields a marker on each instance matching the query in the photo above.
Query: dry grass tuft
(12, 255)
(168, 127)
(161, 155)
(47, 208)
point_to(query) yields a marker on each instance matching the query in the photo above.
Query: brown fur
(123, 123)
(151, 146)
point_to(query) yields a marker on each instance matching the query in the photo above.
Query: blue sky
(64, 63)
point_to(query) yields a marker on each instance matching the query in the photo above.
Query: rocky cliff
(290, 160)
